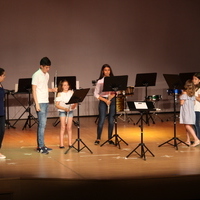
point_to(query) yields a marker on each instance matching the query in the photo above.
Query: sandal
(195, 144)
(188, 143)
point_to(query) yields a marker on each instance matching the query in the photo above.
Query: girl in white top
(65, 111)
(196, 81)
(187, 114)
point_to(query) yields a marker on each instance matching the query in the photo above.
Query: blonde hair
(189, 88)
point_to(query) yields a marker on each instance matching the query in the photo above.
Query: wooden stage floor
(107, 164)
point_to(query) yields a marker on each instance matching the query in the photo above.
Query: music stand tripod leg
(78, 149)
(77, 124)
(116, 136)
(142, 145)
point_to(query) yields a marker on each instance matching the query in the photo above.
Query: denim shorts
(66, 114)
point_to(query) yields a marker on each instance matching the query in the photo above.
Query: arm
(97, 94)
(73, 106)
(57, 104)
(182, 102)
(198, 97)
(52, 89)
(35, 97)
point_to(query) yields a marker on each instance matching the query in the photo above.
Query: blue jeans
(102, 115)
(42, 119)
(197, 124)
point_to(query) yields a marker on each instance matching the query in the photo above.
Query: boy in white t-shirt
(40, 92)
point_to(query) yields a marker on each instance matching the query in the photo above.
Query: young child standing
(187, 114)
(65, 111)
(196, 81)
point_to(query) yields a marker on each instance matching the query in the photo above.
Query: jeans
(2, 129)
(102, 115)
(197, 124)
(42, 119)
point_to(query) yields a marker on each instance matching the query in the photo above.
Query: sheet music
(140, 105)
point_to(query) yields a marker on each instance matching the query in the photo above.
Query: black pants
(2, 129)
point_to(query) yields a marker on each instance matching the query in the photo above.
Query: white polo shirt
(197, 103)
(40, 79)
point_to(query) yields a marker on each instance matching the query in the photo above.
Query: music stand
(142, 107)
(146, 80)
(72, 82)
(174, 82)
(70, 79)
(7, 121)
(186, 76)
(77, 97)
(115, 83)
(25, 87)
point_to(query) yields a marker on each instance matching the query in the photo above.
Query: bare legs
(66, 126)
(190, 132)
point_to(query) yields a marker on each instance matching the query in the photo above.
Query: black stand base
(175, 139)
(28, 122)
(118, 139)
(144, 150)
(56, 122)
(8, 124)
(79, 141)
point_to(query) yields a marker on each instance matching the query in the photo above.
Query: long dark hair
(198, 76)
(102, 69)
(1, 71)
(60, 85)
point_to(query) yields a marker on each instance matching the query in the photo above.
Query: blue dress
(187, 113)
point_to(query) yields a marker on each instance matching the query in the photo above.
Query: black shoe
(48, 149)
(61, 147)
(42, 150)
(111, 142)
(97, 142)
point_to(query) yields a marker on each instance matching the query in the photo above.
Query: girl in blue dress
(187, 113)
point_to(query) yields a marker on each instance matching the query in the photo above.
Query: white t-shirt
(41, 79)
(64, 98)
(197, 103)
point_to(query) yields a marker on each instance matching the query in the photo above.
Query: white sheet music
(140, 105)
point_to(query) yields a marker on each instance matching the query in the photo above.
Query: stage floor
(107, 162)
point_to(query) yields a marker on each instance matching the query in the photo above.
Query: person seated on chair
(65, 111)
(106, 103)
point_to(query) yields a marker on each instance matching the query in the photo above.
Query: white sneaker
(2, 156)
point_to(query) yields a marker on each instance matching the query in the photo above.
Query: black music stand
(115, 83)
(78, 96)
(71, 80)
(174, 82)
(7, 122)
(25, 87)
(142, 107)
(186, 76)
(146, 80)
